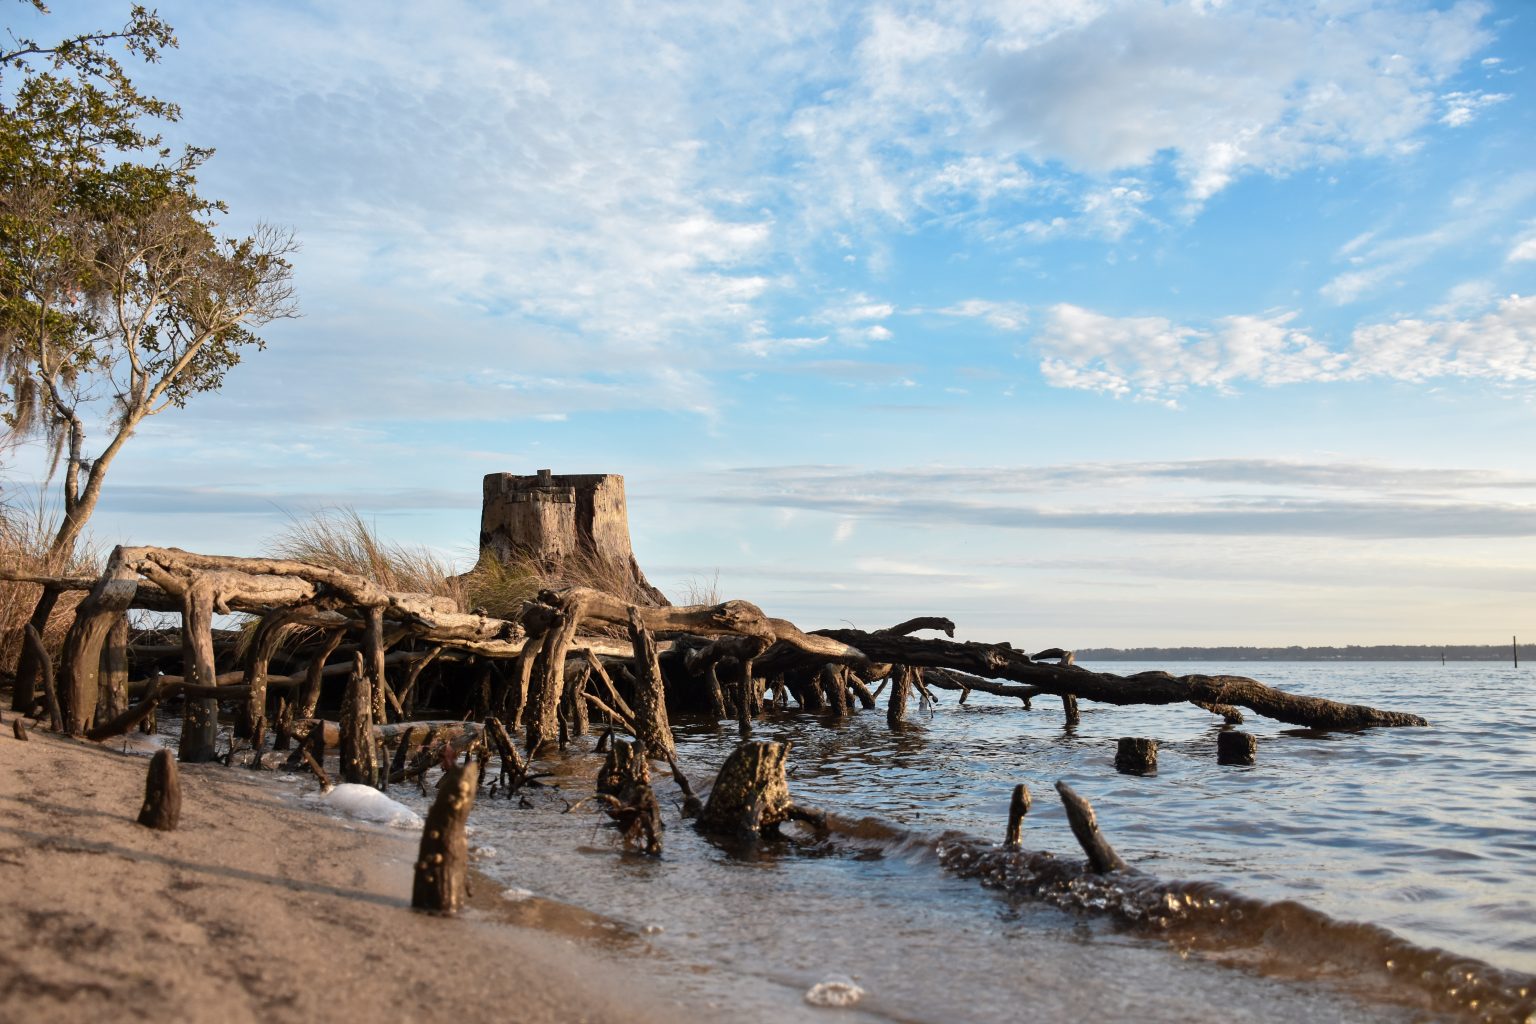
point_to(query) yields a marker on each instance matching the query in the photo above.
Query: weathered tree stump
(1017, 808)
(358, 763)
(162, 794)
(1069, 711)
(541, 718)
(1136, 756)
(624, 788)
(1236, 748)
(651, 724)
(1102, 857)
(18, 729)
(751, 793)
(440, 884)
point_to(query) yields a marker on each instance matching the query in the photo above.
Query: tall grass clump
(26, 535)
(339, 538)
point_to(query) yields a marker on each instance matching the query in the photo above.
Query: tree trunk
(543, 712)
(896, 702)
(80, 680)
(113, 699)
(358, 763)
(373, 658)
(24, 694)
(200, 724)
(309, 697)
(269, 632)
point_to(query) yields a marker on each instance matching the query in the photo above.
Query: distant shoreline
(1377, 652)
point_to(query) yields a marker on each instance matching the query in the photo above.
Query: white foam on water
(516, 895)
(367, 804)
(836, 991)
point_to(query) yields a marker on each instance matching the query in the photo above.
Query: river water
(1427, 833)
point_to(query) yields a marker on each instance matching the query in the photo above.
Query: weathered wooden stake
(1136, 756)
(440, 885)
(1069, 709)
(18, 728)
(162, 794)
(1236, 748)
(1017, 808)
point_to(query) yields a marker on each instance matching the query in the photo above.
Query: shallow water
(1430, 833)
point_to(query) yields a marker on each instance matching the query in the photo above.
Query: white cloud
(1003, 316)
(1227, 90)
(1498, 346)
(1156, 359)
(1462, 108)
(1524, 247)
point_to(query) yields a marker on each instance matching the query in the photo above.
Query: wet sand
(255, 909)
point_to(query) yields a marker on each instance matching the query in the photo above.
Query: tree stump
(624, 787)
(162, 794)
(1102, 858)
(651, 724)
(1236, 748)
(440, 886)
(1017, 808)
(751, 793)
(1069, 710)
(896, 702)
(1136, 756)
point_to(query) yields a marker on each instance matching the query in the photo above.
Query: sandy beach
(256, 908)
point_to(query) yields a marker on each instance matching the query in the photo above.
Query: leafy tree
(118, 298)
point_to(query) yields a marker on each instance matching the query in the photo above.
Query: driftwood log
(999, 661)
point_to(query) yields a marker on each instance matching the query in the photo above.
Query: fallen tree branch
(1003, 662)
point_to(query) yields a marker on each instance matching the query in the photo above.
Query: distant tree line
(1354, 652)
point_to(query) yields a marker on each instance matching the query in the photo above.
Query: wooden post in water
(1514, 645)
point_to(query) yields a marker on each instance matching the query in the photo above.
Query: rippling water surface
(1430, 833)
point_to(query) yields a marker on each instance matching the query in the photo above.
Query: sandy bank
(256, 909)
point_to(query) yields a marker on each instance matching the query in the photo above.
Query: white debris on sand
(367, 804)
(836, 991)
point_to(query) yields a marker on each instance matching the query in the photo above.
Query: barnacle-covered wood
(751, 793)
(442, 861)
(999, 661)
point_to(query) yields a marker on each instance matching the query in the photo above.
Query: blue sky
(1084, 323)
